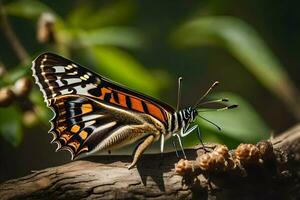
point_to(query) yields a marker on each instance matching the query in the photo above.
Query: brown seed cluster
(184, 167)
(21, 88)
(247, 154)
(6, 96)
(46, 28)
(18, 93)
(217, 160)
(221, 160)
(266, 150)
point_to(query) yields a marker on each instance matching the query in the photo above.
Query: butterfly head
(191, 114)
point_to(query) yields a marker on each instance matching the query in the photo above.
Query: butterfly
(94, 114)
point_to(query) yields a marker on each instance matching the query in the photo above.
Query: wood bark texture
(107, 177)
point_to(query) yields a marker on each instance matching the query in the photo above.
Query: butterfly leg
(140, 150)
(200, 138)
(180, 144)
(175, 147)
(162, 143)
(198, 134)
(185, 133)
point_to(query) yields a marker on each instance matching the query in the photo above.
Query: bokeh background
(251, 47)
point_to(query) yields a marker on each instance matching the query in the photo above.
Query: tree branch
(107, 177)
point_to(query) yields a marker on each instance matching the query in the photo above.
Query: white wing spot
(73, 73)
(83, 78)
(59, 69)
(68, 67)
(60, 83)
(73, 80)
(86, 76)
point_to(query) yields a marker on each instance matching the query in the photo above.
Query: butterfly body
(94, 114)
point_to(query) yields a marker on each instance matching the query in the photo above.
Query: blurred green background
(251, 47)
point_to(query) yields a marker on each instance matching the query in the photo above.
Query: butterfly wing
(58, 76)
(85, 102)
(85, 126)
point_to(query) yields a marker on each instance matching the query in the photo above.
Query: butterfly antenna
(214, 101)
(218, 127)
(206, 93)
(178, 93)
(219, 109)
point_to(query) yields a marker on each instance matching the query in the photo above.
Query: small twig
(20, 51)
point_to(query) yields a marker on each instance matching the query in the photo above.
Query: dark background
(276, 22)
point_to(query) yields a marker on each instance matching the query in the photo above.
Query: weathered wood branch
(107, 177)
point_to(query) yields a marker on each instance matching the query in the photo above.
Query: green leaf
(27, 8)
(11, 125)
(120, 66)
(115, 36)
(17, 73)
(86, 16)
(243, 42)
(241, 124)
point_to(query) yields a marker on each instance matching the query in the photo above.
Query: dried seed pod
(46, 28)
(29, 118)
(265, 149)
(217, 162)
(22, 87)
(6, 96)
(205, 161)
(230, 164)
(222, 150)
(184, 167)
(247, 154)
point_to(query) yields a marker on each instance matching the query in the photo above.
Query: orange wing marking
(83, 135)
(136, 104)
(155, 111)
(122, 100)
(86, 108)
(104, 91)
(75, 128)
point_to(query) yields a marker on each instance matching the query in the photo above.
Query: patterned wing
(57, 76)
(81, 124)
(88, 108)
